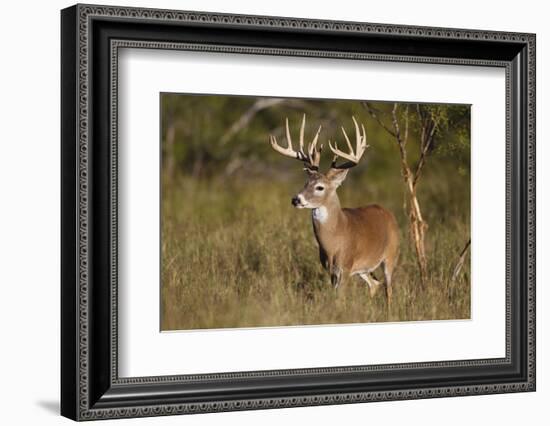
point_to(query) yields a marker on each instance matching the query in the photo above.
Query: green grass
(236, 254)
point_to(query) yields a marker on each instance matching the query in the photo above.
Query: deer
(352, 241)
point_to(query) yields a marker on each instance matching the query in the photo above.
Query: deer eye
(319, 188)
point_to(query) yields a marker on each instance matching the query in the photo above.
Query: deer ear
(337, 176)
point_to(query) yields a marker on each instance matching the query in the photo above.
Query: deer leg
(336, 276)
(388, 266)
(372, 282)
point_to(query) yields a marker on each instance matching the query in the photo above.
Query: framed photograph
(263, 212)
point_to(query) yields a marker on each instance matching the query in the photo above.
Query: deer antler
(311, 157)
(360, 147)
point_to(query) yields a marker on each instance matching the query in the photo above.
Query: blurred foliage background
(236, 254)
(206, 136)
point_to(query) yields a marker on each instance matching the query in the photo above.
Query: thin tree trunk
(417, 225)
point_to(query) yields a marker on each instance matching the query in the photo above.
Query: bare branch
(248, 115)
(406, 137)
(373, 113)
(461, 259)
(395, 123)
(401, 143)
(426, 141)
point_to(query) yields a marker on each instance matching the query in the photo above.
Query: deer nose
(295, 201)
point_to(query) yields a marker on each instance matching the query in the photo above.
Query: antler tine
(337, 153)
(313, 143)
(284, 151)
(347, 139)
(364, 136)
(358, 137)
(335, 156)
(289, 150)
(288, 138)
(311, 157)
(314, 154)
(360, 147)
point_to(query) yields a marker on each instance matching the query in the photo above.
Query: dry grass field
(235, 253)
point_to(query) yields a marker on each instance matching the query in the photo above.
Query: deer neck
(327, 218)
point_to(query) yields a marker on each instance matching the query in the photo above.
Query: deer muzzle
(298, 201)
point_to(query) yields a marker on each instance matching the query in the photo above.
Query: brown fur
(351, 240)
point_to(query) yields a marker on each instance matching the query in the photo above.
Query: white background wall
(29, 211)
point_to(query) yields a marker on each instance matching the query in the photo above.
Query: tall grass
(236, 254)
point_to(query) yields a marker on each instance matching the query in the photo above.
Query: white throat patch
(320, 214)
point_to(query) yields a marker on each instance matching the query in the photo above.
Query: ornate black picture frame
(91, 388)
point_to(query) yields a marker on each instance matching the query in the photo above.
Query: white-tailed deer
(352, 241)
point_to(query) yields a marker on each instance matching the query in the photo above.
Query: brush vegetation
(235, 253)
